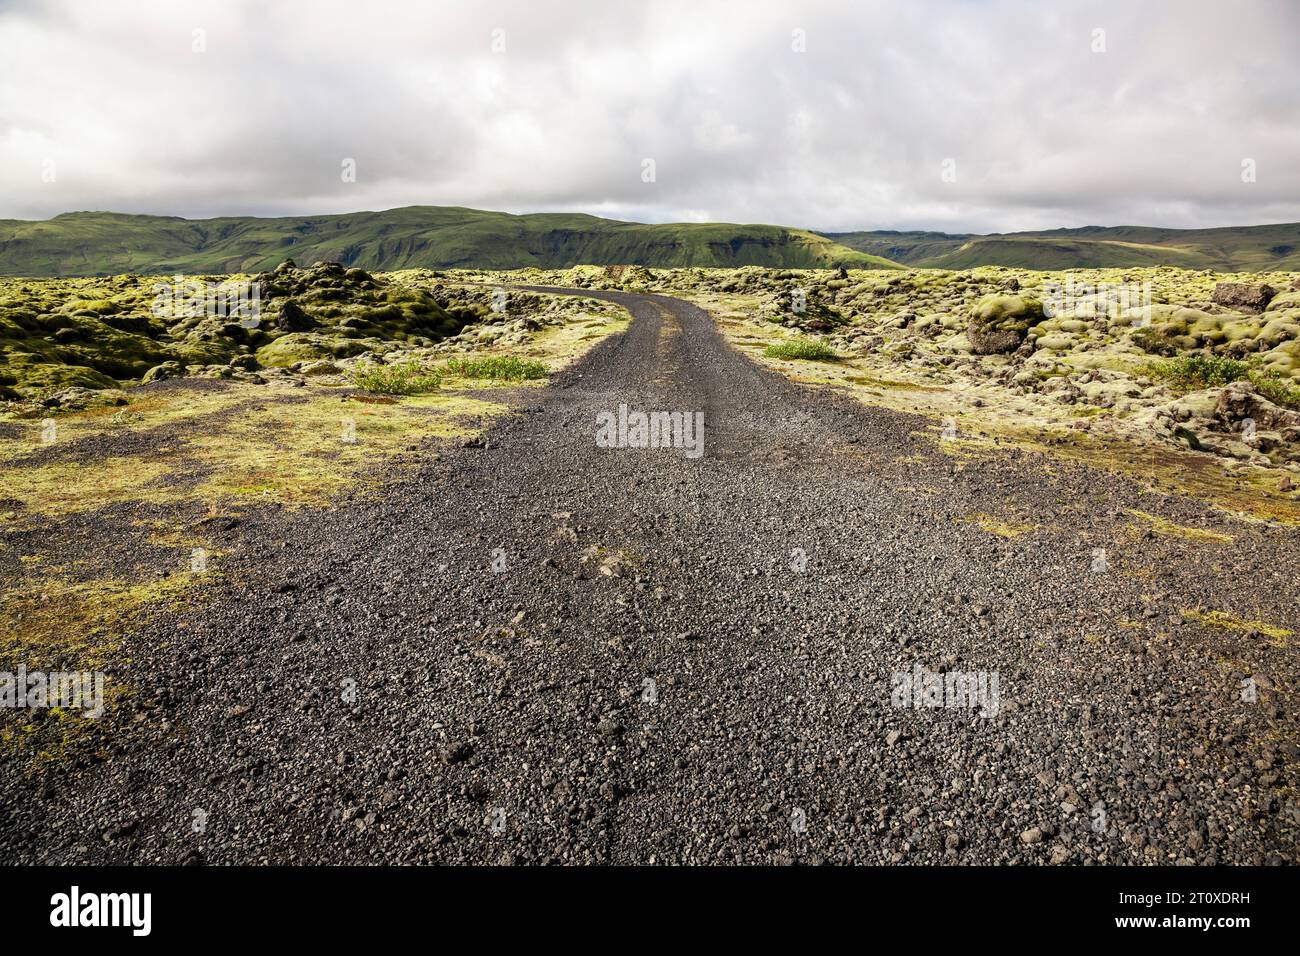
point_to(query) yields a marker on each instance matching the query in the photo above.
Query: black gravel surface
(537, 650)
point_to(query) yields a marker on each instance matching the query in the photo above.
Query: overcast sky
(829, 115)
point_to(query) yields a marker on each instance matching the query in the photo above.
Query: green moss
(293, 348)
(1224, 621)
(58, 622)
(999, 322)
(283, 444)
(996, 526)
(1169, 529)
(39, 379)
(98, 306)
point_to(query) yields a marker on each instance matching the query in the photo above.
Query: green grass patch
(497, 368)
(408, 378)
(806, 349)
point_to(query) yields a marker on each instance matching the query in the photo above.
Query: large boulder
(163, 372)
(290, 349)
(999, 322)
(31, 376)
(1241, 400)
(293, 319)
(1244, 296)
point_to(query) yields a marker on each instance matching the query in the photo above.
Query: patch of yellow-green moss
(1224, 621)
(293, 446)
(1169, 529)
(56, 623)
(1000, 527)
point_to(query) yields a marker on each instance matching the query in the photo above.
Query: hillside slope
(435, 237)
(1229, 249)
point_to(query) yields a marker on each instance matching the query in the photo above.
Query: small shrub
(405, 379)
(1154, 341)
(1190, 372)
(807, 349)
(1276, 388)
(497, 368)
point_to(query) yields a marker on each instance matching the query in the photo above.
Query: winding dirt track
(692, 660)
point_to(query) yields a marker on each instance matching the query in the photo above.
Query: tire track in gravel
(510, 716)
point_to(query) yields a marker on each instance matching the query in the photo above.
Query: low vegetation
(497, 368)
(408, 378)
(1277, 389)
(1187, 373)
(809, 350)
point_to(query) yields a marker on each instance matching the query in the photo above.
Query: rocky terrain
(473, 635)
(1144, 359)
(85, 335)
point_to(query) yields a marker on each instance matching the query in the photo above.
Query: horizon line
(637, 222)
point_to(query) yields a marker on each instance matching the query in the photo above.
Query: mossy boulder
(97, 306)
(293, 348)
(1287, 300)
(195, 349)
(1277, 331)
(78, 398)
(1283, 360)
(40, 379)
(999, 322)
(164, 371)
(135, 324)
(118, 354)
(1174, 329)
(298, 347)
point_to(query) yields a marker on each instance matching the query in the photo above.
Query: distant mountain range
(434, 237)
(1229, 249)
(443, 237)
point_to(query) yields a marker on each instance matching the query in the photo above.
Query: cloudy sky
(830, 115)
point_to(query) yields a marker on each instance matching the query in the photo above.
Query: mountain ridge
(437, 237)
(90, 243)
(1262, 248)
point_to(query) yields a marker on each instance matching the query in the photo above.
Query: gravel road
(537, 650)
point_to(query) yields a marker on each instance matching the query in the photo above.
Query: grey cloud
(849, 134)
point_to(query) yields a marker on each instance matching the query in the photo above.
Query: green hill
(443, 237)
(1228, 249)
(435, 237)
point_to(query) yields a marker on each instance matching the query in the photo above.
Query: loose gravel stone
(718, 699)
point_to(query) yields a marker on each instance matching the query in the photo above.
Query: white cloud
(849, 134)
